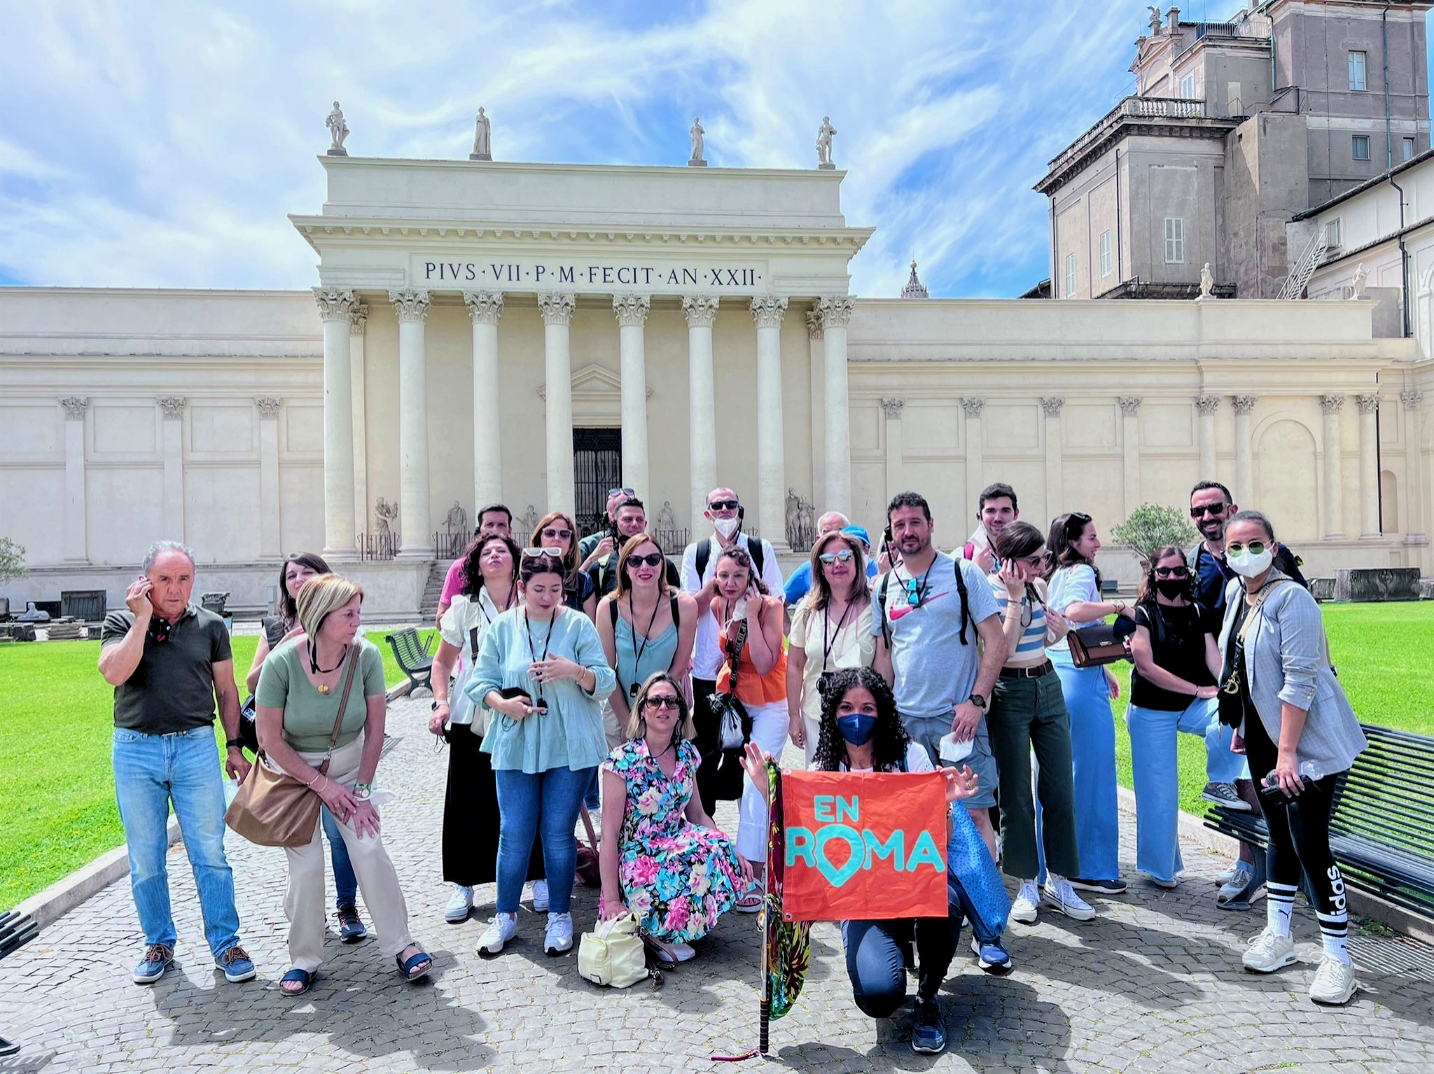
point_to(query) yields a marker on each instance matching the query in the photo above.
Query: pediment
(597, 395)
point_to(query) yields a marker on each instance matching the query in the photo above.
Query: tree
(12, 560)
(1151, 526)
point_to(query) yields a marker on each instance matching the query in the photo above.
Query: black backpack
(754, 550)
(960, 589)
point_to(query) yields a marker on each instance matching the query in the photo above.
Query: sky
(163, 144)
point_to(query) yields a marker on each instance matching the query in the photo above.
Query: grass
(57, 800)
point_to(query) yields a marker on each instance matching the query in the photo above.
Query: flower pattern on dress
(677, 877)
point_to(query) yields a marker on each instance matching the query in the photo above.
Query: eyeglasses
(844, 556)
(557, 535)
(620, 492)
(1208, 509)
(1257, 548)
(660, 701)
(1171, 572)
(724, 505)
(652, 559)
(1036, 562)
(543, 553)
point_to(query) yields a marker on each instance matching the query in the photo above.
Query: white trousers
(770, 724)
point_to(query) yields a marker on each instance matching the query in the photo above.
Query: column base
(410, 555)
(331, 555)
(480, 156)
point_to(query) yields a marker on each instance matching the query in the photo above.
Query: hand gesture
(553, 669)
(754, 763)
(985, 559)
(136, 599)
(1014, 579)
(960, 784)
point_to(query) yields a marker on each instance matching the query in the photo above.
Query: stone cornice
(1062, 170)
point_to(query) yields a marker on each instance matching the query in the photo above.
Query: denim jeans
(345, 882)
(1093, 767)
(151, 771)
(527, 804)
(877, 952)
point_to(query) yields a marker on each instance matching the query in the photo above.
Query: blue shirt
(800, 583)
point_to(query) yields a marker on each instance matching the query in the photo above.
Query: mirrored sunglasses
(844, 556)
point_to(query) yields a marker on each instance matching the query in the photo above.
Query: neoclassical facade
(533, 334)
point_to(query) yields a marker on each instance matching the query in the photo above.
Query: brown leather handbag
(272, 808)
(1101, 643)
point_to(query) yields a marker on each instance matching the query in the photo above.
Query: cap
(859, 533)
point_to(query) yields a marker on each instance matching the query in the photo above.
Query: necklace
(640, 649)
(323, 688)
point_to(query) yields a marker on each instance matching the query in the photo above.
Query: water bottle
(1310, 770)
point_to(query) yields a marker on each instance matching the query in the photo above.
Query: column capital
(631, 310)
(411, 305)
(973, 406)
(892, 405)
(1207, 404)
(1052, 406)
(268, 406)
(1331, 404)
(1411, 399)
(700, 310)
(75, 407)
(1245, 403)
(358, 319)
(485, 307)
(835, 311)
(172, 405)
(556, 309)
(1129, 404)
(335, 303)
(767, 311)
(1368, 404)
(814, 325)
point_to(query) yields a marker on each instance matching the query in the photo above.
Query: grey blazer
(1286, 661)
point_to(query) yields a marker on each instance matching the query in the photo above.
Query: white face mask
(726, 526)
(1248, 565)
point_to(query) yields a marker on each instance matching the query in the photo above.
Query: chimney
(1172, 20)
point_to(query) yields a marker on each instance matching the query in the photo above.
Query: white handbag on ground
(612, 955)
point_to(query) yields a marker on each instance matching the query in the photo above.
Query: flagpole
(766, 1003)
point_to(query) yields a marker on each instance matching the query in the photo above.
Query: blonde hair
(321, 596)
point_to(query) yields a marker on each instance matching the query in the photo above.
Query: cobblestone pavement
(1154, 983)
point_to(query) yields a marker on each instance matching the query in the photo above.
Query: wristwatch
(362, 791)
(978, 701)
(234, 744)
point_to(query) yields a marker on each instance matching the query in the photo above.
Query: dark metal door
(597, 467)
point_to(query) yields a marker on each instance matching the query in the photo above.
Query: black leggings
(1299, 828)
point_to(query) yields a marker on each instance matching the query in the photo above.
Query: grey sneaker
(1224, 794)
(1059, 895)
(1334, 984)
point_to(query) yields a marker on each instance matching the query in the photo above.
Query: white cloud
(163, 144)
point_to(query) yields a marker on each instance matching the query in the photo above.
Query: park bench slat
(413, 659)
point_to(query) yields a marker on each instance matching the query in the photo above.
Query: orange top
(752, 688)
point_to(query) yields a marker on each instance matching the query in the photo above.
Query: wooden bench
(412, 656)
(1382, 827)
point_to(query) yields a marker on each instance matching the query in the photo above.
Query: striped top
(1031, 649)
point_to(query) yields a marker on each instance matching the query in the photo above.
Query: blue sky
(163, 144)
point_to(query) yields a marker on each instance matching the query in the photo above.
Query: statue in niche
(457, 519)
(1361, 280)
(338, 130)
(528, 523)
(824, 143)
(794, 512)
(482, 139)
(666, 519)
(698, 145)
(385, 512)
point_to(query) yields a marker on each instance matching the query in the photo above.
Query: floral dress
(677, 877)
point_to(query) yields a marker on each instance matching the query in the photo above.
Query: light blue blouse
(571, 734)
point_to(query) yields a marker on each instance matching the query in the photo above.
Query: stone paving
(1154, 983)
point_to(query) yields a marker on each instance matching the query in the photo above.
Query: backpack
(960, 589)
(755, 549)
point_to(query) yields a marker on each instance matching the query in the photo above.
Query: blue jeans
(1155, 767)
(527, 804)
(1097, 808)
(151, 771)
(877, 953)
(345, 880)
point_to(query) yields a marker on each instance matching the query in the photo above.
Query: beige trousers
(378, 881)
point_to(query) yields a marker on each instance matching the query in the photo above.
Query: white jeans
(378, 881)
(769, 730)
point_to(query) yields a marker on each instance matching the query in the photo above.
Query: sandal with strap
(304, 978)
(415, 967)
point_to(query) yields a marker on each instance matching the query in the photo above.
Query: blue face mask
(857, 727)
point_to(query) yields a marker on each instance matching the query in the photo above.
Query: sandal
(303, 978)
(415, 967)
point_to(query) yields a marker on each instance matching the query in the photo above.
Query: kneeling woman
(670, 865)
(295, 713)
(861, 732)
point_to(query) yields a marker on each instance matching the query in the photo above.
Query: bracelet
(317, 776)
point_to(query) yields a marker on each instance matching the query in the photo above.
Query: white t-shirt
(916, 760)
(706, 653)
(1068, 586)
(457, 627)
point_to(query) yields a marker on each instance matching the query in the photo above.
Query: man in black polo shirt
(168, 661)
(630, 518)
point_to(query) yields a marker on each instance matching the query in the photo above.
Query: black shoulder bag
(733, 723)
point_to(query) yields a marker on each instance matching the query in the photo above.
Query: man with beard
(995, 507)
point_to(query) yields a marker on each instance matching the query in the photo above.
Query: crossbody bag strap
(734, 653)
(343, 705)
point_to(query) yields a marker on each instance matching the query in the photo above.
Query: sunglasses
(1208, 509)
(558, 535)
(1257, 548)
(652, 559)
(1036, 563)
(1171, 572)
(661, 701)
(543, 553)
(723, 505)
(620, 492)
(158, 630)
(844, 556)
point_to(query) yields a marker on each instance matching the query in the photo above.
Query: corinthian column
(557, 314)
(335, 307)
(1414, 464)
(413, 520)
(1369, 521)
(771, 448)
(358, 322)
(1130, 447)
(485, 307)
(701, 311)
(836, 315)
(1244, 450)
(1055, 474)
(1333, 470)
(631, 312)
(76, 542)
(1207, 405)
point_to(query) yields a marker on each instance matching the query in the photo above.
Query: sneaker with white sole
(1247, 886)
(1268, 952)
(558, 940)
(540, 896)
(1334, 984)
(1026, 903)
(501, 928)
(460, 905)
(1059, 895)
(685, 952)
(1224, 794)
(991, 957)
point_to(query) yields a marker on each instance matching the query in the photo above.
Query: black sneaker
(928, 1032)
(1100, 887)
(351, 928)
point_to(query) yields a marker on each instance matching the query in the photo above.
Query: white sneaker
(684, 952)
(1026, 903)
(540, 896)
(501, 928)
(1334, 983)
(460, 904)
(1059, 895)
(558, 940)
(1268, 952)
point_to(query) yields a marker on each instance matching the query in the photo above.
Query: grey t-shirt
(172, 689)
(932, 669)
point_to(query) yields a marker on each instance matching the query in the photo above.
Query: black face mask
(1170, 587)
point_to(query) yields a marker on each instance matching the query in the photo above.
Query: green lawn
(57, 803)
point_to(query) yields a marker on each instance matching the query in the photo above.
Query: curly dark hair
(473, 563)
(739, 556)
(888, 744)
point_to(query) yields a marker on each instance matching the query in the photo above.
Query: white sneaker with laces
(460, 904)
(684, 952)
(1334, 983)
(1026, 903)
(501, 928)
(540, 896)
(1059, 895)
(1268, 952)
(558, 940)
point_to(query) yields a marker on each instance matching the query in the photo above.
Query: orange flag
(863, 846)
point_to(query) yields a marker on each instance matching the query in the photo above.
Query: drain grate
(1394, 956)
